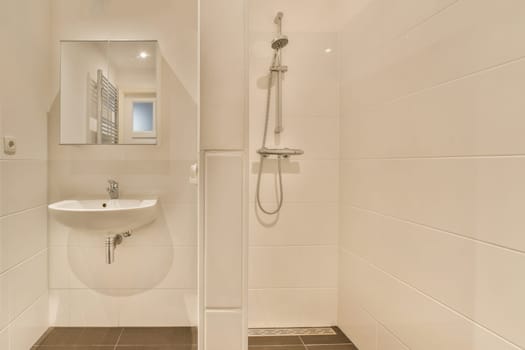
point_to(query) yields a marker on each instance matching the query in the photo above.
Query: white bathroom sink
(115, 215)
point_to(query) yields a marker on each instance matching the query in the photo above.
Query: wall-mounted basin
(114, 216)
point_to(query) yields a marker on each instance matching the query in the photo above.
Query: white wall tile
(25, 94)
(474, 197)
(454, 119)
(430, 179)
(4, 339)
(387, 341)
(223, 229)
(475, 33)
(298, 224)
(222, 90)
(26, 329)
(4, 300)
(293, 267)
(26, 283)
(223, 330)
(89, 307)
(158, 308)
(59, 312)
(320, 177)
(400, 309)
(23, 185)
(470, 280)
(294, 307)
(22, 235)
(353, 320)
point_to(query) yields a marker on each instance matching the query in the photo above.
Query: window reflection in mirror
(109, 92)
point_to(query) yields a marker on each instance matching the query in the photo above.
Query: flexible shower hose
(280, 194)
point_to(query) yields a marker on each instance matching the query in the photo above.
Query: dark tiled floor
(116, 338)
(173, 338)
(339, 341)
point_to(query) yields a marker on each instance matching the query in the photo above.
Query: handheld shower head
(279, 42)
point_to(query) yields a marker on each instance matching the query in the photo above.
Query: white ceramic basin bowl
(114, 216)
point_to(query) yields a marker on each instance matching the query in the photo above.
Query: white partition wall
(223, 250)
(223, 125)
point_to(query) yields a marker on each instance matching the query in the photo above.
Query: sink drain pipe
(111, 245)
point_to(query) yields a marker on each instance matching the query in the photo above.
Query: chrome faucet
(113, 189)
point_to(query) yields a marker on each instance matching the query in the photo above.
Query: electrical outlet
(9, 145)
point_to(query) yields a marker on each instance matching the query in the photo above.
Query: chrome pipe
(111, 244)
(110, 249)
(278, 20)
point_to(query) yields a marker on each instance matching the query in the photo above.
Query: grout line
(451, 233)
(292, 288)
(118, 339)
(302, 341)
(444, 83)
(431, 298)
(294, 245)
(460, 156)
(23, 211)
(423, 21)
(17, 265)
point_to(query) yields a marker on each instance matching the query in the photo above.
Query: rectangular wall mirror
(108, 92)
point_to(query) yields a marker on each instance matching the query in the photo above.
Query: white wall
(432, 117)
(24, 100)
(154, 279)
(293, 256)
(223, 127)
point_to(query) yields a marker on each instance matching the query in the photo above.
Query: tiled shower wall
(432, 244)
(154, 279)
(293, 256)
(24, 101)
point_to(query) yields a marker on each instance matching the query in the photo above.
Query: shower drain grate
(282, 332)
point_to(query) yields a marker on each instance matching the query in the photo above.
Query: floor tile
(68, 336)
(332, 347)
(71, 347)
(292, 340)
(339, 338)
(157, 347)
(60, 336)
(99, 336)
(158, 336)
(273, 347)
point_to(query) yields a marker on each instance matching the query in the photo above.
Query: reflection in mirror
(108, 92)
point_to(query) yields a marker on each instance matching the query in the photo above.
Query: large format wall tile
(417, 319)
(23, 185)
(293, 267)
(295, 307)
(27, 283)
(431, 241)
(22, 235)
(474, 197)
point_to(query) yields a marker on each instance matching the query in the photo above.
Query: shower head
(279, 42)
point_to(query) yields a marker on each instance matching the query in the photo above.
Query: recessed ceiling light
(143, 54)
(328, 50)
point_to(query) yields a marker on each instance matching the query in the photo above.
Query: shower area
(293, 215)
(384, 196)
